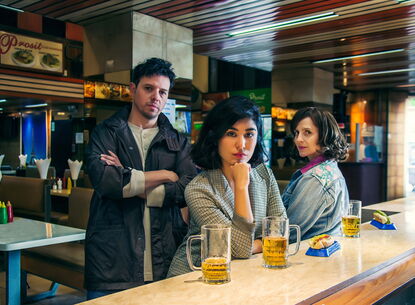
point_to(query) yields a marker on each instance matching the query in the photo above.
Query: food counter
(363, 271)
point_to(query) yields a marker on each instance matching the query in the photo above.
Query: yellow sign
(27, 52)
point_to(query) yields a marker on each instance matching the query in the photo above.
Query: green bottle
(3, 213)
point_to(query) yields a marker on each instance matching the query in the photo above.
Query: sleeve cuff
(242, 224)
(136, 185)
(155, 197)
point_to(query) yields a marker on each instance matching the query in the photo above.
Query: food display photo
(322, 245)
(102, 90)
(382, 221)
(23, 58)
(50, 62)
(89, 89)
(125, 93)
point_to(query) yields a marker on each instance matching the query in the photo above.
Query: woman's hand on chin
(240, 174)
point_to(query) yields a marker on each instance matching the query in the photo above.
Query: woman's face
(238, 143)
(306, 139)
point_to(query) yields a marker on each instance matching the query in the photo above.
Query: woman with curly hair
(317, 195)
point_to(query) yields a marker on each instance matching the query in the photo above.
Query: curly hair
(205, 152)
(153, 66)
(331, 140)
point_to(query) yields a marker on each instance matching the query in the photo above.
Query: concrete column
(305, 86)
(119, 43)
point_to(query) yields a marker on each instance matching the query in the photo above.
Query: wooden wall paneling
(30, 22)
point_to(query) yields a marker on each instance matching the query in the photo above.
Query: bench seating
(30, 197)
(63, 263)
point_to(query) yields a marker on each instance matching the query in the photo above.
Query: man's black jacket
(115, 235)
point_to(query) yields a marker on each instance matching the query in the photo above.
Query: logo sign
(262, 97)
(32, 53)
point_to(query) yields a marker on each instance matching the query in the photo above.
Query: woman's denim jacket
(316, 198)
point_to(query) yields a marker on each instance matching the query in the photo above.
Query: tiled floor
(64, 296)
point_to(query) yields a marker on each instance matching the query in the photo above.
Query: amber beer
(274, 251)
(275, 236)
(216, 270)
(351, 226)
(215, 253)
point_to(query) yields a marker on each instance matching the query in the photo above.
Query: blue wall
(34, 135)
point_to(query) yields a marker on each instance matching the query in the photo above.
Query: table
(363, 271)
(60, 193)
(27, 233)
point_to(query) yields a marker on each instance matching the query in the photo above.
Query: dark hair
(205, 152)
(153, 66)
(331, 140)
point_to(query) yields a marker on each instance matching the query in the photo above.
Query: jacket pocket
(108, 256)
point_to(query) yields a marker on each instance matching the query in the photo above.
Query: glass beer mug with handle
(215, 243)
(275, 241)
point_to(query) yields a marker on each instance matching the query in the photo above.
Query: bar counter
(363, 271)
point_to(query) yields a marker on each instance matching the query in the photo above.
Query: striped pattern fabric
(211, 201)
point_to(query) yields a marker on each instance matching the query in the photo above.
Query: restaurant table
(60, 193)
(25, 233)
(363, 271)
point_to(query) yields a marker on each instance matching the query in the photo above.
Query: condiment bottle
(10, 215)
(3, 213)
(69, 184)
(59, 184)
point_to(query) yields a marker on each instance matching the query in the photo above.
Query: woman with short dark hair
(235, 188)
(317, 195)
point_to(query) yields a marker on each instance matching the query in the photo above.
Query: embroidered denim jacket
(316, 198)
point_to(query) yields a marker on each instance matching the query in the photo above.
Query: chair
(62, 263)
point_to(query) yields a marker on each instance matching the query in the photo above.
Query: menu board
(107, 91)
(32, 53)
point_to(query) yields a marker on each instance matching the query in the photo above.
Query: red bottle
(10, 215)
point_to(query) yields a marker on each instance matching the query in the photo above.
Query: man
(139, 166)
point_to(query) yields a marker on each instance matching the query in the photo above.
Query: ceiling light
(357, 56)
(386, 72)
(180, 106)
(342, 39)
(61, 113)
(1, 109)
(36, 105)
(405, 86)
(3, 101)
(284, 24)
(11, 8)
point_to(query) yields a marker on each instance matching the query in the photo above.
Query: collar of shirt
(312, 163)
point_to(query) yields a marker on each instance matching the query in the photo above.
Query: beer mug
(275, 241)
(351, 219)
(215, 240)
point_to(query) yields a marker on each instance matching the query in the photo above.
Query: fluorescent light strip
(1, 109)
(11, 8)
(406, 86)
(284, 24)
(36, 105)
(386, 72)
(357, 56)
(180, 106)
(3, 101)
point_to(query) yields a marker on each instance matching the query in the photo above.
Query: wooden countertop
(359, 264)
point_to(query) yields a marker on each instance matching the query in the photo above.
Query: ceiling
(360, 27)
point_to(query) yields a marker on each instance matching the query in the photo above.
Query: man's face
(150, 96)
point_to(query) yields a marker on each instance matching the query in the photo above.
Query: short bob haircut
(153, 67)
(223, 116)
(332, 142)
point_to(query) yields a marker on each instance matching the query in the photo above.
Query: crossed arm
(152, 178)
